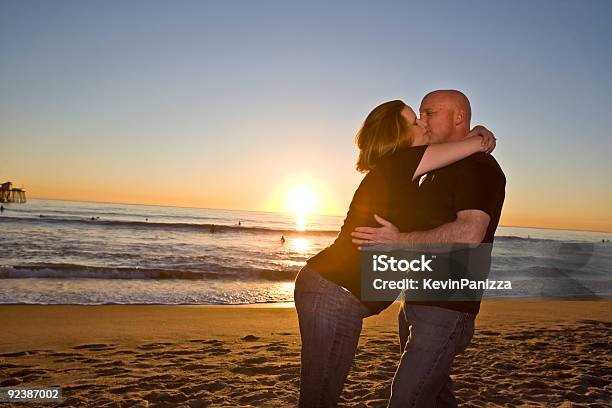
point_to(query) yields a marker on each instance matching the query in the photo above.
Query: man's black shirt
(474, 183)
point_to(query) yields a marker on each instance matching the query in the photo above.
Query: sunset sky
(233, 104)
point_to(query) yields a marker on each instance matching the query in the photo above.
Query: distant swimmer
(212, 228)
(239, 223)
(93, 219)
(1, 208)
(282, 239)
(40, 215)
(146, 219)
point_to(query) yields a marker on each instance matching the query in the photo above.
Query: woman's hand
(488, 139)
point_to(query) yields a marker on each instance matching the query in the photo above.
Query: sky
(230, 104)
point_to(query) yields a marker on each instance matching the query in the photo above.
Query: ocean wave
(63, 271)
(223, 228)
(514, 238)
(208, 227)
(153, 302)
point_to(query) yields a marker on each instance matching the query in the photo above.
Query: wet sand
(524, 353)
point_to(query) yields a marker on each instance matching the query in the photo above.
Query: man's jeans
(430, 338)
(330, 320)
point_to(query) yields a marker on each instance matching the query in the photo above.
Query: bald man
(460, 203)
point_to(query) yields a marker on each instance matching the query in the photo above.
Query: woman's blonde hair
(383, 131)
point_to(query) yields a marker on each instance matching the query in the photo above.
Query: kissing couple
(459, 200)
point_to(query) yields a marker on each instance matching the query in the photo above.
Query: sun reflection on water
(300, 244)
(287, 287)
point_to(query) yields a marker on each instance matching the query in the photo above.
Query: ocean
(67, 252)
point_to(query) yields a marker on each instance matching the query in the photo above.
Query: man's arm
(475, 199)
(470, 227)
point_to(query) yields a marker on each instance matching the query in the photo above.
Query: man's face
(438, 116)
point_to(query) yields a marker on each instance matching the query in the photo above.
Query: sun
(302, 200)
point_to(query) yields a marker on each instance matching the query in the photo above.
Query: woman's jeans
(330, 320)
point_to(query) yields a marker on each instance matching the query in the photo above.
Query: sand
(524, 353)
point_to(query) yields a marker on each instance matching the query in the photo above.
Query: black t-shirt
(474, 183)
(388, 191)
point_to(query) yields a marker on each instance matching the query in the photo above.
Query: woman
(393, 152)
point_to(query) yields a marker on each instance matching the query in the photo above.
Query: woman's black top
(388, 191)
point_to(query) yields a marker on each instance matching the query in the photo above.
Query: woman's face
(418, 128)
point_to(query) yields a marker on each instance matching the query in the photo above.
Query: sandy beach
(524, 353)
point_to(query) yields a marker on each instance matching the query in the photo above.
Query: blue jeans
(430, 338)
(330, 320)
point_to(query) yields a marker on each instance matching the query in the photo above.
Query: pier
(10, 194)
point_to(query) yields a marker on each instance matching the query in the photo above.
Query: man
(460, 203)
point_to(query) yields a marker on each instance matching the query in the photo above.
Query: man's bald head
(447, 114)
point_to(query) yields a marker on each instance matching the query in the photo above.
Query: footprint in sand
(180, 352)
(521, 336)
(592, 381)
(256, 370)
(141, 365)
(256, 360)
(125, 352)
(194, 389)
(276, 348)
(94, 347)
(209, 341)
(218, 351)
(16, 354)
(107, 364)
(152, 346)
(214, 386)
(165, 397)
(502, 365)
(112, 371)
(160, 377)
(26, 372)
(25, 376)
(258, 396)
(67, 360)
(250, 337)
(61, 354)
(75, 402)
(286, 377)
(90, 360)
(488, 333)
(124, 389)
(11, 382)
(196, 367)
(88, 387)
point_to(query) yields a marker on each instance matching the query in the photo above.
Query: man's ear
(459, 117)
